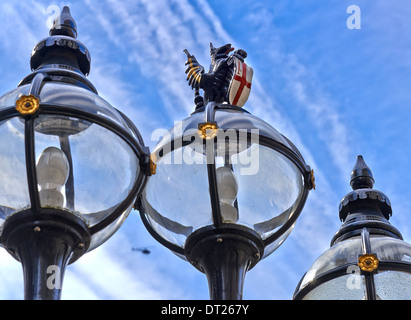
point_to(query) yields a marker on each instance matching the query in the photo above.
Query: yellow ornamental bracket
(27, 105)
(207, 130)
(153, 164)
(368, 262)
(312, 179)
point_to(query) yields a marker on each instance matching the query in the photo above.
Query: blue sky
(335, 92)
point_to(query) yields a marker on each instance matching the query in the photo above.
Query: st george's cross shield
(240, 86)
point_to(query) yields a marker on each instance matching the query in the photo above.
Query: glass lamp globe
(69, 162)
(368, 259)
(220, 176)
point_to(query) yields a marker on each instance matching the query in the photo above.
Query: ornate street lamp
(368, 258)
(71, 165)
(226, 188)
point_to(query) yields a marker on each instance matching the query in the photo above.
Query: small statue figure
(228, 79)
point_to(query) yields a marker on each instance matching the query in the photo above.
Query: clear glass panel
(393, 285)
(388, 248)
(101, 236)
(389, 284)
(346, 287)
(9, 99)
(258, 187)
(69, 95)
(270, 248)
(340, 254)
(82, 167)
(14, 194)
(269, 188)
(176, 198)
(229, 119)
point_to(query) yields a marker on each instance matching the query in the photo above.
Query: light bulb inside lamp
(227, 191)
(52, 175)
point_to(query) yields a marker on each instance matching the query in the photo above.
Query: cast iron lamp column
(368, 259)
(227, 188)
(71, 167)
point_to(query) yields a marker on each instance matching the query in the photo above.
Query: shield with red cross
(240, 86)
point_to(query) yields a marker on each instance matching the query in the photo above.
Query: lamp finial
(64, 24)
(361, 175)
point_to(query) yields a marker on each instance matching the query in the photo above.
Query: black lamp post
(71, 164)
(368, 258)
(226, 188)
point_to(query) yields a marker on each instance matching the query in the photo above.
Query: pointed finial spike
(361, 175)
(64, 24)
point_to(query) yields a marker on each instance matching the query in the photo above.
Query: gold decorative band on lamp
(368, 262)
(207, 130)
(27, 105)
